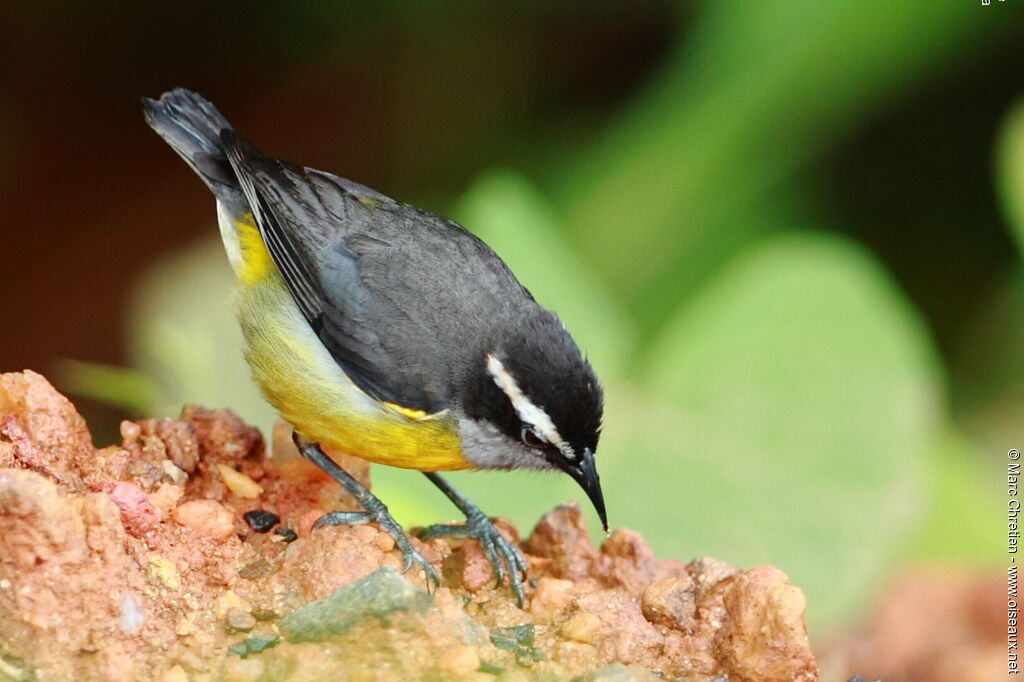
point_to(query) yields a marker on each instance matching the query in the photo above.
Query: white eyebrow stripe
(528, 412)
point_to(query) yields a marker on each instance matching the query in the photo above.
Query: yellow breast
(300, 378)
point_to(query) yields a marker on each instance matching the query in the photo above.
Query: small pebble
(163, 571)
(130, 430)
(287, 533)
(239, 483)
(459, 661)
(175, 474)
(165, 497)
(261, 520)
(142, 469)
(670, 602)
(206, 517)
(240, 621)
(265, 614)
(137, 513)
(552, 595)
(231, 600)
(132, 616)
(257, 569)
(175, 674)
(583, 627)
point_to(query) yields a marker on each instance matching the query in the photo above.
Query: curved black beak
(584, 472)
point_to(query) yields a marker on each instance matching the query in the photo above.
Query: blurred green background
(787, 234)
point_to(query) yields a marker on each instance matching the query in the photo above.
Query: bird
(390, 333)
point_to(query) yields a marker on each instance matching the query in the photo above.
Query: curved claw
(497, 549)
(517, 567)
(487, 543)
(410, 556)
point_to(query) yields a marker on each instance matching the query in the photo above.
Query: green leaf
(962, 524)
(754, 93)
(185, 337)
(1010, 175)
(798, 394)
(122, 387)
(987, 366)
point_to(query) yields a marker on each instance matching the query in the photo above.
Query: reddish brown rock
(155, 440)
(132, 562)
(56, 431)
(670, 602)
(38, 524)
(552, 598)
(475, 570)
(137, 512)
(763, 637)
(627, 560)
(206, 517)
(561, 538)
(624, 635)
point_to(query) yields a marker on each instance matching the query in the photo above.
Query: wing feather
(307, 219)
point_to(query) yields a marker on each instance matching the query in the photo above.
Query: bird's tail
(193, 126)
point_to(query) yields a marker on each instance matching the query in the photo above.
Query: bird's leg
(375, 510)
(480, 527)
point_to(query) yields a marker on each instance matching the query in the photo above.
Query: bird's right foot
(498, 549)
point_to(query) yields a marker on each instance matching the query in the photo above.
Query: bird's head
(534, 402)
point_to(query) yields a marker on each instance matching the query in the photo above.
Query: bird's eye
(531, 438)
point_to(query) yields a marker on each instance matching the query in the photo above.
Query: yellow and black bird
(389, 332)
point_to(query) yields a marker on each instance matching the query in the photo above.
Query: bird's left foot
(375, 510)
(500, 552)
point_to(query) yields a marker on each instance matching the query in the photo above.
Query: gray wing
(394, 293)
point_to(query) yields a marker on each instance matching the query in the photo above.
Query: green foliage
(1010, 153)
(991, 350)
(186, 339)
(798, 395)
(754, 93)
(504, 210)
(963, 525)
(130, 389)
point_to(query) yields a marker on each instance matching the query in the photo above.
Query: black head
(539, 391)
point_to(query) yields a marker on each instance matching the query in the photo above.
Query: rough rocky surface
(134, 562)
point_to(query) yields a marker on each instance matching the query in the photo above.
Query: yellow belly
(300, 378)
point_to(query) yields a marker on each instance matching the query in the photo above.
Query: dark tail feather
(192, 126)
